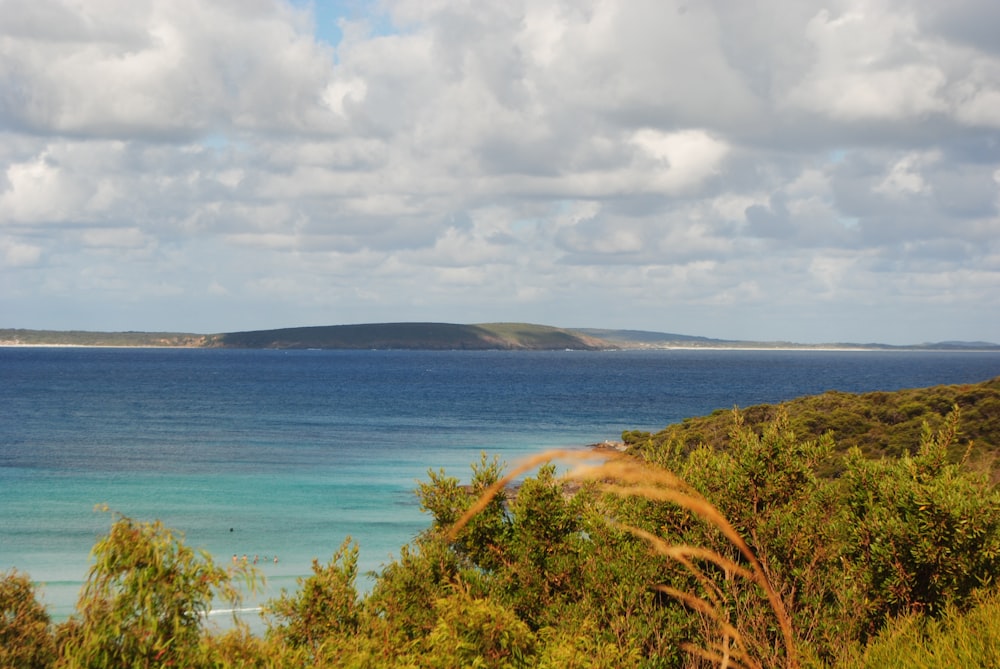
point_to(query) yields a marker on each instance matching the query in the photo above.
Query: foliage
(145, 600)
(537, 565)
(481, 539)
(400, 608)
(957, 639)
(879, 423)
(765, 485)
(237, 647)
(923, 533)
(554, 562)
(477, 632)
(887, 537)
(326, 607)
(25, 637)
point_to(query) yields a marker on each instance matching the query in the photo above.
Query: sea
(279, 455)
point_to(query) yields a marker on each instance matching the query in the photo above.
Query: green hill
(879, 423)
(424, 336)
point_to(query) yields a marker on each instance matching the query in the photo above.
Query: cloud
(113, 68)
(869, 65)
(19, 255)
(667, 165)
(681, 160)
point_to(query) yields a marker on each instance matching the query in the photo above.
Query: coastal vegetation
(830, 531)
(879, 424)
(21, 337)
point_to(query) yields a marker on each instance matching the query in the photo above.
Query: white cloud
(869, 64)
(34, 192)
(340, 94)
(178, 68)
(904, 178)
(553, 158)
(681, 160)
(16, 254)
(116, 238)
(976, 97)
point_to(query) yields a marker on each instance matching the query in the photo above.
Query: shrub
(925, 534)
(475, 632)
(957, 639)
(325, 609)
(625, 477)
(145, 600)
(26, 639)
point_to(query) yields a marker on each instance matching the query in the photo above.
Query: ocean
(285, 453)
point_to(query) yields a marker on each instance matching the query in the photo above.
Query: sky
(777, 170)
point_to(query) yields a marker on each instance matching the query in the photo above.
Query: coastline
(128, 346)
(416, 336)
(745, 348)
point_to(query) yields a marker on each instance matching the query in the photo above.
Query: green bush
(325, 609)
(925, 534)
(476, 632)
(956, 639)
(145, 600)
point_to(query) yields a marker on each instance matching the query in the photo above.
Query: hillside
(21, 337)
(432, 336)
(644, 338)
(879, 423)
(414, 336)
(424, 336)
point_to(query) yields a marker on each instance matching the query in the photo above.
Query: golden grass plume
(622, 475)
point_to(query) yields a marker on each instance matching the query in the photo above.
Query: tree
(145, 600)
(26, 639)
(481, 539)
(326, 609)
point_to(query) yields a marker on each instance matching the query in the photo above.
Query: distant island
(437, 337)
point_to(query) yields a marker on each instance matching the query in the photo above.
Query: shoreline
(7, 344)
(787, 348)
(433, 336)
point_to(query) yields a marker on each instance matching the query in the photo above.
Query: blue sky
(777, 170)
(327, 15)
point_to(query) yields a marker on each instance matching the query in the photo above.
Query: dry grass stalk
(723, 658)
(681, 553)
(526, 466)
(640, 479)
(729, 633)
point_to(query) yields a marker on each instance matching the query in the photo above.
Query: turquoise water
(287, 452)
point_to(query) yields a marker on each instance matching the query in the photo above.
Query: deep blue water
(287, 452)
